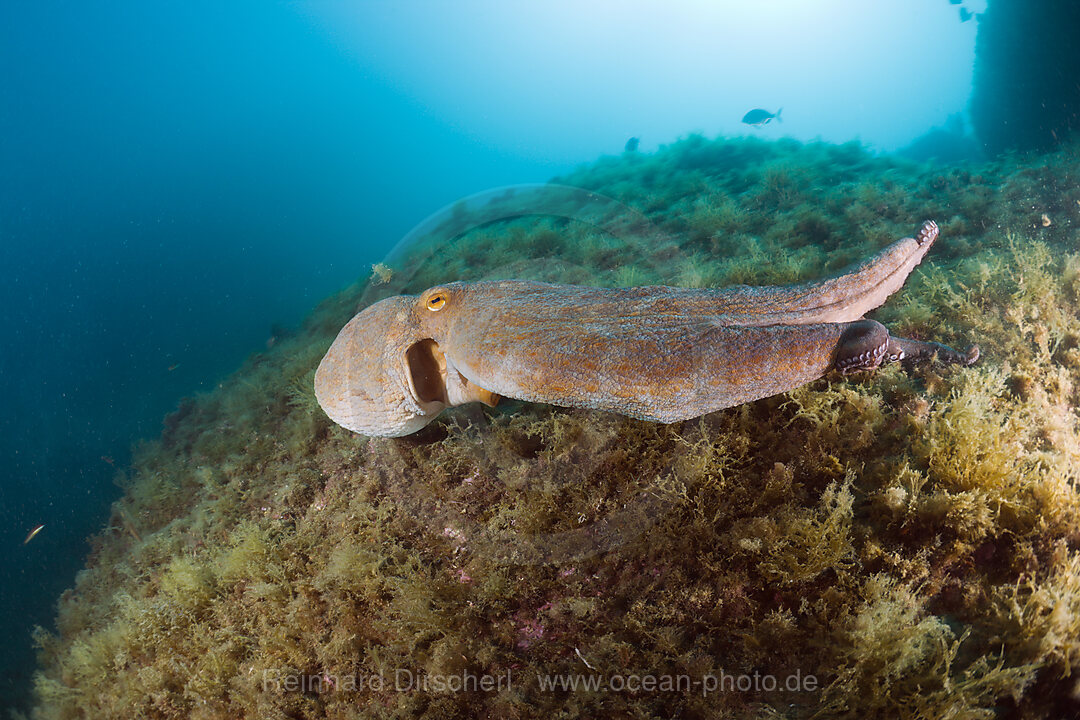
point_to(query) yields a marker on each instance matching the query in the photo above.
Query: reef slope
(908, 540)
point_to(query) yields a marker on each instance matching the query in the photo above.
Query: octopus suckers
(927, 233)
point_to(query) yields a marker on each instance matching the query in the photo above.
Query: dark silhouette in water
(1025, 94)
(631, 145)
(965, 14)
(758, 117)
(948, 143)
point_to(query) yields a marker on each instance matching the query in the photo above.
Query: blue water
(180, 179)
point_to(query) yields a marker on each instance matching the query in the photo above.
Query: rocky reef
(898, 544)
(1025, 95)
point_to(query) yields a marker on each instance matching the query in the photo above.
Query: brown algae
(908, 539)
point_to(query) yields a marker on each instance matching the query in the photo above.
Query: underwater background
(194, 196)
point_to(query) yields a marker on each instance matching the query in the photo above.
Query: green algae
(909, 539)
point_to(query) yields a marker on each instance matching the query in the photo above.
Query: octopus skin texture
(657, 353)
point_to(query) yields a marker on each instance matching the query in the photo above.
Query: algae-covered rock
(899, 544)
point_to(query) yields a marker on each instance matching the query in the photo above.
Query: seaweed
(907, 540)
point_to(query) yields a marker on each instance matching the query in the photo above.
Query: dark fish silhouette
(631, 145)
(965, 14)
(759, 117)
(955, 2)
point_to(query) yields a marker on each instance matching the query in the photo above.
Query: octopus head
(387, 375)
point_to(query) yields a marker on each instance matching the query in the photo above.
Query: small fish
(108, 459)
(759, 117)
(33, 533)
(631, 145)
(173, 367)
(955, 2)
(965, 14)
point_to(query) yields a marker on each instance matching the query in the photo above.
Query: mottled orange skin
(656, 353)
(649, 352)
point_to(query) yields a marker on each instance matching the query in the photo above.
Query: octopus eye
(436, 302)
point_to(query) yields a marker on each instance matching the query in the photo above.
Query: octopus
(656, 353)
